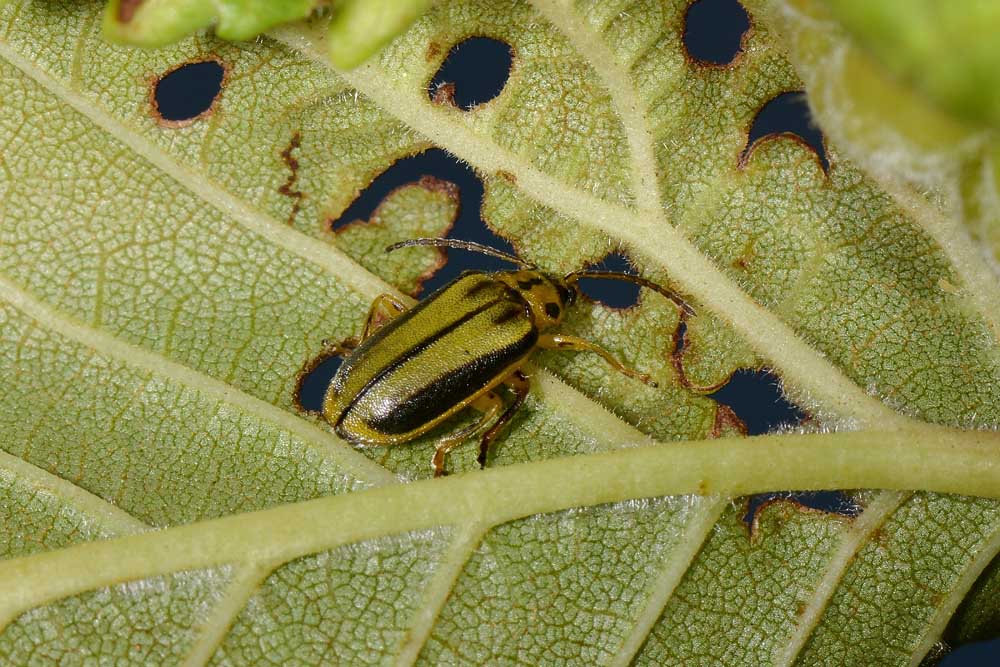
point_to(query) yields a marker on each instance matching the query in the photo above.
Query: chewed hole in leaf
(788, 113)
(468, 226)
(611, 293)
(474, 72)
(714, 29)
(314, 380)
(757, 399)
(833, 502)
(188, 92)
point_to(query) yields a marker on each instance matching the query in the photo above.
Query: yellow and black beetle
(412, 369)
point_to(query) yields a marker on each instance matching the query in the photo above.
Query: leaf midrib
(871, 459)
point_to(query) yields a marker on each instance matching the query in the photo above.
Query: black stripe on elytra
(433, 400)
(409, 354)
(483, 284)
(513, 313)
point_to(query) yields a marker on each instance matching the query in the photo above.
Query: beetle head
(547, 296)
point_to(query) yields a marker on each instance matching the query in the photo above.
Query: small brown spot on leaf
(127, 9)
(445, 94)
(507, 176)
(288, 187)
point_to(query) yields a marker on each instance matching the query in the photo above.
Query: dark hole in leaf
(188, 91)
(313, 384)
(611, 293)
(834, 502)
(469, 226)
(975, 654)
(679, 342)
(756, 398)
(714, 29)
(789, 112)
(477, 70)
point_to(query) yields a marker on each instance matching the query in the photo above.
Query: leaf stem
(926, 458)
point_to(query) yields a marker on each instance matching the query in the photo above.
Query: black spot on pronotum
(528, 284)
(788, 113)
(188, 92)
(469, 225)
(552, 310)
(714, 29)
(611, 293)
(474, 72)
(314, 381)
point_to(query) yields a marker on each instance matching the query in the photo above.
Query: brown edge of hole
(444, 92)
(620, 250)
(307, 368)
(680, 346)
(154, 80)
(287, 188)
(737, 57)
(427, 182)
(789, 502)
(748, 151)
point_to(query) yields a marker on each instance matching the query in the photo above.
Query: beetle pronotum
(412, 369)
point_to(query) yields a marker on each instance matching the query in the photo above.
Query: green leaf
(164, 286)
(946, 51)
(898, 101)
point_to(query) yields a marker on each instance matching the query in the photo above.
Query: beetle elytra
(410, 370)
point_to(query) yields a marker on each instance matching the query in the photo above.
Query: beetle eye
(552, 310)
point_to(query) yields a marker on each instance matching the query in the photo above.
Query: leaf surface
(163, 287)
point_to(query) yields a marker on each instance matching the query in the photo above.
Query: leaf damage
(288, 187)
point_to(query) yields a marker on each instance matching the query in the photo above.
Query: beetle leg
(384, 308)
(520, 385)
(572, 343)
(331, 349)
(489, 404)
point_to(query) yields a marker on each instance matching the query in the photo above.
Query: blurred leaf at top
(358, 28)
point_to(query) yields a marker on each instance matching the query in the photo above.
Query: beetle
(411, 369)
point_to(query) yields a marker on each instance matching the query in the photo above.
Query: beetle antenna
(464, 245)
(572, 278)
